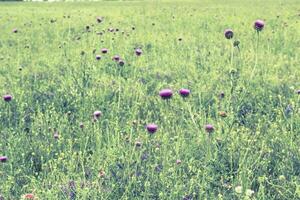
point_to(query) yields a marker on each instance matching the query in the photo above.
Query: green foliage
(49, 68)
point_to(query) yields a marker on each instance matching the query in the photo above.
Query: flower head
(56, 135)
(98, 57)
(228, 33)
(209, 128)
(7, 98)
(121, 62)
(178, 161)
(184, 92)
(29, 196)
(151, 128)
(81, 125)
(116, 58)
(238, 189)
(259, 25)
(99, 19)
(97, 114)
(3, 159)
(104, 50)
(138, 52)
(166, 93)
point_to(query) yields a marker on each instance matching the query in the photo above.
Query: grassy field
(54, 146)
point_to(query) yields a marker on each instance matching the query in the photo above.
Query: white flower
(238, 189)
(249, 192)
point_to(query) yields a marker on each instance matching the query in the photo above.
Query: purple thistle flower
(166, 93)
(97, 114)
(222, 95)
(121, 62)
(15, 30)
(228, 33)
(138, 52)
(116, 58)
(99, 19)
(81, 125)
(151, 128)
(98, 57)
(7, 98)
(184, 92)
(56, 135)
(104, 50)
(138, 144)
(209, 128)
(259, 25)
(3, 159)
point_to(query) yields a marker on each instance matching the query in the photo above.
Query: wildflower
(259, 25)
(7, 98)
(151, 128)
(184, 92)
(166, 93)
(209, 128)
(228, 33)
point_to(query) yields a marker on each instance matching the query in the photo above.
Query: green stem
(232, 51)
(256, 55)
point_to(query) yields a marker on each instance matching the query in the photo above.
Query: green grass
(56, 83)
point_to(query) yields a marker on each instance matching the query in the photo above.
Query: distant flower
(104, 50)
(29, 196)
(209, 128)
(223, 114)
(101, 173)
(7, 98)
(178, 162)
(151, 128)
(15, 30)
(166, 93)
(121, 62)
(81, 125)
(97, 114)
(56, 135)
(238, 189)
(228, 33)
(98, 57)
(116, 58)
(184, 92)
(249, 192)
(222, 95)
(281, 177)
(138, 144)
(99, 19)
(259, 25)
(298, 92)
(3, 159)
(138, 52)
